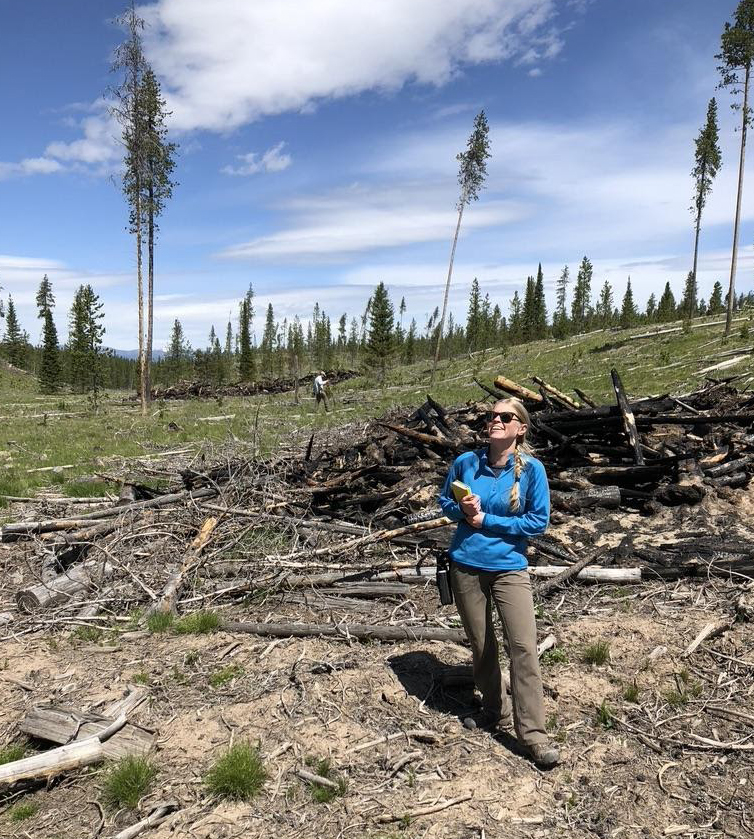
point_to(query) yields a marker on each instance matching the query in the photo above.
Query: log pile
(189, 389)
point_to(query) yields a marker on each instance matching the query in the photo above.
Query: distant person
(509, 501)
(320, 394)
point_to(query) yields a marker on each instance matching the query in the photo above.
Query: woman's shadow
(442, 687)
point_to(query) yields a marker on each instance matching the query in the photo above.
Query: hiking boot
(487, 720)
(543, 754)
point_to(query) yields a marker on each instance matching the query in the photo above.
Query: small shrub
(191, 657)
(596, 653)
(552, 722)
(13, 751)
(127, 781)
(324, 794)
(160, 621)
(631, 692)
(87, 633)
(24, 811)
(227, 674)
(745, 332)
(557, 655)
(141, 678)
(605, 716)
(199, 623)
(238, 774)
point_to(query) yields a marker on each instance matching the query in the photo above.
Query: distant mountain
(134, 354)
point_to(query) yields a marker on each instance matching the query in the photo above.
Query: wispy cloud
(273, 160)
(30, 166)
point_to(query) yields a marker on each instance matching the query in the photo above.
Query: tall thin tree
(736, 56)
(707, 160)
(471, 176)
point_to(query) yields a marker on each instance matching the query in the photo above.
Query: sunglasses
(504, 416)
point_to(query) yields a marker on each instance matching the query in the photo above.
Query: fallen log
(517, 390)
(360, 631)
(191, 560)
(420, 437)
(607, 496)
(555, 582)
(75, 581)
(571, 403)
(718, 470)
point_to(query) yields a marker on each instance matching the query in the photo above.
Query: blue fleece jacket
(500, 543)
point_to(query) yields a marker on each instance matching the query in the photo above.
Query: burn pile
(189, 389)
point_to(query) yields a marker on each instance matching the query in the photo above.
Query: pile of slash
(336, 542)
(190, 388)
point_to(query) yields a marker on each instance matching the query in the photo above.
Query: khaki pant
(475, 590)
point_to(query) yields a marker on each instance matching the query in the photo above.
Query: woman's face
(503, 425)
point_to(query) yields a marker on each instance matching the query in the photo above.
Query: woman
(510, 501)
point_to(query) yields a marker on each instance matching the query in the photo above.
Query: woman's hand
(471, 505)
(477, 520)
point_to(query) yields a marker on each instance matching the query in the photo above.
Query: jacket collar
(484, 461)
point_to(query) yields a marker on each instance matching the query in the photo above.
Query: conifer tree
(515, 326)
(560, 316)
(471, 176)
(707, 159)
(651, 310)
(409, 346)
(228, 351)
(582, 295)
(605, 305)
(666, 308)
(353, 341)
(342, 336)
(474, 318)
(15, 341)
(716, 299)
(87, 371)
(380, 343)
(247, 369)
(268, 342)
(689, 305)
(540, 306)
(528, 315)
(178, 353)
(48, 374)
(736, 57)
(628, 314)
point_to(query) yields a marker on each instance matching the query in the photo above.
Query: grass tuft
(320, 793)
(227, 674)
(87, 633)
(238, 774)
(631, 692)
(160, 621)
(199, 623)
(557, 655)
(605, 716)
(13, 751)
(596, 653)
(127, 781)
(23, 811)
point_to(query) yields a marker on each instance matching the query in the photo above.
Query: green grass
(160, 621)
(324, 794)
(22, 812)
(13, 751)
(596, 653)
(605, 716)
(87, 489)
(557, 655)
(198, 623)
(141, 678)
(127, 782)
(227, 674)
(90, 634)
(631, 692)
(684, 691)
(238, 774)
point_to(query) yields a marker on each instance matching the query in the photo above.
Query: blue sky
(318, 142)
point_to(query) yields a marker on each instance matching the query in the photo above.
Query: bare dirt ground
(637, 768)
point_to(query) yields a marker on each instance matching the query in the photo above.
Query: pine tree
(87, 371)
(471, 176)
(268, 342)
(540, 306)
(716, 299)
(409, 346)
(605, 305)
(560, 316)
(353, 341)
(689, 305)
(736, 57)
(582, 295)
(247, 368)
(14, 342)
(666, 308)
(528, 315)
(474, 318)
(628, 314)
(228, 351)
(381, 343)
(515, 327)
(48, 374)
(707, 159)
(651, 310)
(178, 354)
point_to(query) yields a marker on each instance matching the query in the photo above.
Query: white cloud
(225, 63)
(29, 166)
(273, 160)
(99, 147)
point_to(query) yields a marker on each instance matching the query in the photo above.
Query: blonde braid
(518, 468)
